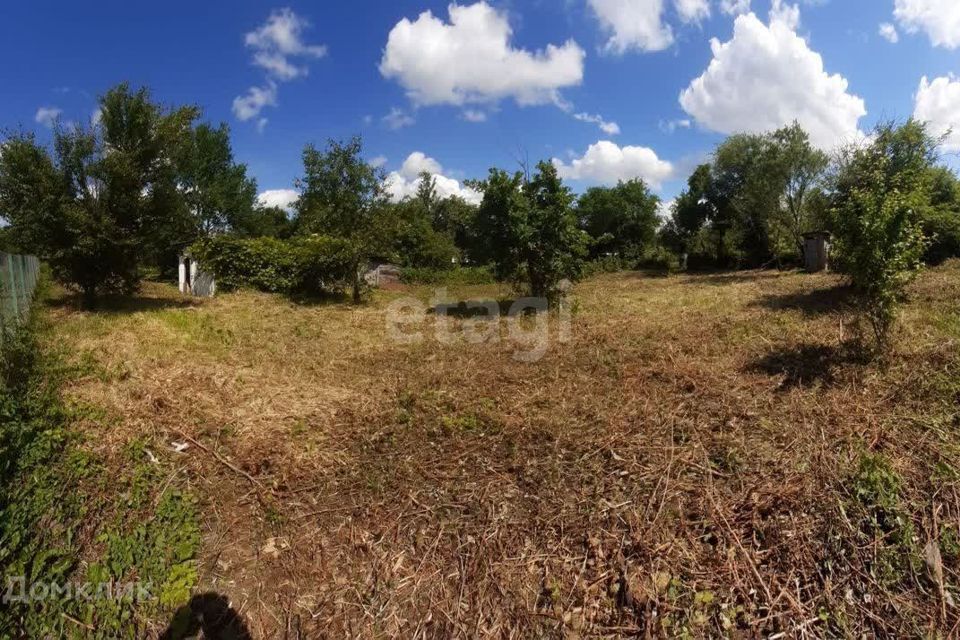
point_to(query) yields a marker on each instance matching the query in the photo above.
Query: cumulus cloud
(735, 7)
(279, 41)
(279, 49)
(378, 161)
(766, 77)
(889, 33)
(634, 24)
(405, 182)
(609, 128)
(474, 115)
(398, 119)
(249, 105)
(283, 198)
(470, 60)
(607, 163)
(692, 10)
(938, 104)
(48, 116)
(939, 19)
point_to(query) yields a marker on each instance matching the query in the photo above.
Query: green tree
(690, 212)
(95, 206)
(217, 191)
(760, 192)
(530, 229)
(879, 192)
(343, 197)
(941, 219)
(800, 167)
(622, 220)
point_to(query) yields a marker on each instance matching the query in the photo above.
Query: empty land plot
(706, 455)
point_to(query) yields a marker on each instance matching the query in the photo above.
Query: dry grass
(686, 465)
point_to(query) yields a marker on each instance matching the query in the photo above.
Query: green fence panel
(18, 281)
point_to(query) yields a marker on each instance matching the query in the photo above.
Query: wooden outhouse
(816, 251)
(194, 281)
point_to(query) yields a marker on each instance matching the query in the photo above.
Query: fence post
(12, 286)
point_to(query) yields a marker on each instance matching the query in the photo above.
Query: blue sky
(541, 75)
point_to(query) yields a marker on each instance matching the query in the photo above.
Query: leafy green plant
(451, 277)
(304, 265)
(879, 193)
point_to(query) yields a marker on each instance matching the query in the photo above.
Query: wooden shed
(816, 251)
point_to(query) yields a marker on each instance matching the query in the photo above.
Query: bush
(452, 277)
(659, 259)
(943, 230)
(880, 190)
(311, 265)
(608, 264)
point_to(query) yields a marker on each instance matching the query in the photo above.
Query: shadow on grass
(210, 613)
(116, 305)
(477, 308)
(721, 278)
(322, 299)
(811, 365)
(810, 303)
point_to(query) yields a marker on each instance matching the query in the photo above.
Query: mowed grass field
(706, 455)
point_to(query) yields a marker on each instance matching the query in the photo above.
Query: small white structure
(379, 274)
(194, 281)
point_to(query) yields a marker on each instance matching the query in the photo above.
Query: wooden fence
(18, 280)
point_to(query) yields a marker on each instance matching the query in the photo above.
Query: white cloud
(665, 210)
(474, 115)
(96, 117)
(249, 106)
(633, 24)
(672, 125)
(609, 128)
(280, 39)
(405, 182)
(398, 119)
(692, 10)
(735, 7)
(378, 161)
(606, 162)
(469, 60)
(47, 116)
(938, 104)
(767, 77)
(283, 198)
(277, 47)
(889, 33)
(940, 19)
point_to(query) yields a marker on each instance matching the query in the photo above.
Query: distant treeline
(108, 203)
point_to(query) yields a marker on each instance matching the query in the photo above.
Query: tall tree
(95, 206)
(622, 220)
(530, 229)
(218, 193)
(801, 167)
(343, 196)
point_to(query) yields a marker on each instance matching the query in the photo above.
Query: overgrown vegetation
(704, 445)
(311, 265)
(86, 549)
(878, 197)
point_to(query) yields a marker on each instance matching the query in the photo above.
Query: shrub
(659, 259)
(943, 230)
(452, 277)
(310, 265)
(879, 193)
